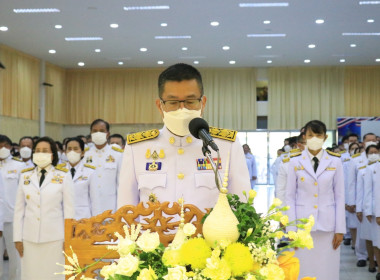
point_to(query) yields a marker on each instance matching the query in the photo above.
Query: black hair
(344, 138)
(53, 147)
(353, 135)
(59, 144)
(349, 147)
(300, 138)
(179, 72)
(95, 122)
(370, 133)
(5, 139)
(292, 140)
(35, 138)
(25, 137)
(369, 147)
(316, 126)
(77, 139)
(117, 136)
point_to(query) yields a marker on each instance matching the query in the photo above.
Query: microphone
(199, 128)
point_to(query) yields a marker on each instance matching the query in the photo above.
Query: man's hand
(254, 177)
(20, 248)
(351, 208)
(1, 234)
(378, 220)
(338, 238)
(360, 216)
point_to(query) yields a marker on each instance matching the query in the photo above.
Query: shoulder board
(342, 152)
(89, 166)
(60, 168)
(27, 169)
(370, 163)
(17, 159)
(222, 133)
(117, 149)
(63, 164)
(347, 159)
(333, 154)
(142, 136)
(296, 155)
(293, 151)
(86, 149)
(364, 166)
(285, 160)
(356, 155)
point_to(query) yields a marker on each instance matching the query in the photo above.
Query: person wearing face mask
(116, 140)
(168, 164)
(315, 186)
(251, 164)
(26, 146)
(84, 178)
(107, 160)
(45, 198)
(364, 227)
(357, 161)
(10, 170)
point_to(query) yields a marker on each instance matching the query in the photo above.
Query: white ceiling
(35, 33)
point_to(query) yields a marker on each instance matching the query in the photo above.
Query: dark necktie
(316, 163)
(72, 170)
(43, 171)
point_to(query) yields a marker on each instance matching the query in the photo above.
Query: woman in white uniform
(83, 176)
(44, 199)
(315, 186)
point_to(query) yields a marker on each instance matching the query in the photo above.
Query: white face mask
(73, 157)
(373, 157)
(315, 143)
(352, 152)
(42, 159)
(26, 152)
(287, 148)
(99, 138)
(4, 153)
(346, 146)
(367, 144)
(178, 121)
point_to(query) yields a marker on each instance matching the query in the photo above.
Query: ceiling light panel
(225, 48)
(263, 5)
(173, 37)
(114, 25)
(258, 35)
(26, 11)
(142, 8)
(319, 21)
(84, 38)
(58, 26)
(369, 2)
(360, 34)
(3, 28)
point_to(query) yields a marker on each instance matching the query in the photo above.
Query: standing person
(84, 178)
(169, 164)
(315, 187)
(10, 170)
(117, 141)
(26, 146)
(107, 161)
(251, 164)
(44, 200)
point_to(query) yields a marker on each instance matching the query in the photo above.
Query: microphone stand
(207, 153)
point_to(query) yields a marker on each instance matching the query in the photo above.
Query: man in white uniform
(251, 164)
(169, 164)
(107, 161)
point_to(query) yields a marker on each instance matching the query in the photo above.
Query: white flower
(176, 273)
(125, 246)
(189, 229)
(108, 270)
(127, 265)
(147, 274)
(148, 241)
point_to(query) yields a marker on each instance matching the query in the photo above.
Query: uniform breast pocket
(11, 176)
(152, 181)
(110, 165)
(205, 180)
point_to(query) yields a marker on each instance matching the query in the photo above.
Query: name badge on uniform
(331, 168)
(205, 164)
(298, 168)
(110, 159)
(89, 159)
(57, 179)
(83, 178)
(153, 166)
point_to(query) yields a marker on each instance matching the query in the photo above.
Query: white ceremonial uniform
(28, 164)
(320, 194)
(10, 170)
(346, 158)
(85, 188)
(252, 168)
(364, 227)
(274, 169)
(108, 163)
(376, 204)
(182, 170)
(39, 221)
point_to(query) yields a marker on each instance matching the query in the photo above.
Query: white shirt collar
(318, 156)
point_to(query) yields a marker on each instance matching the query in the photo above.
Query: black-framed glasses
(190, 104)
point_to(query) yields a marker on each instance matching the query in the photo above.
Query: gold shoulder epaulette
(89, 166)
(356, 155)
(60, 168)
(333, 154)
(62, 164)
(117, 149)
(27, 169)
(295, 155)
(86, 149)
(285, 160)
(370, 163)
(17, 159)
(142, 136)
(222, 133)
(364, 166)
(342, 152)
(293, 151)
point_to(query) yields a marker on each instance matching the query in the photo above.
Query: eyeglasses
(173, 105)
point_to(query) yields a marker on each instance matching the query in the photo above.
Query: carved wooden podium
(89, 238)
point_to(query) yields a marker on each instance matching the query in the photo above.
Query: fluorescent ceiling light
(265, 35)
(164, 24)
(377, 59)
(307, 61)
(342, 60)
(266, 21)
(143, 49)
(320, 21)
(173, 37)
(261, 5)
(114, 25)
(160, 62)
(232, 62)
(47, 10)
(98, 50)
(81, 64)
(120, 63)
(52, 51)
(370, 20)
(184, 48)
(360, 34)
(58, 26)
(226, 48)
(3, 28)
(214, 23)
(84, 38)
(196, 62)
(269, 61)
(268, 47)
(311, 46)
(353, 45)
(139, 8)
(369, 2)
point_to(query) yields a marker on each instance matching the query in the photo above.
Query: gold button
(172, 140)
(38, 219)
(99, 165)
(180, 151)
(181, 176)
(315, 183)
(38, 206)
(38, 193)
(99, 176)
(189, 139)
(315, 206)
(316, 195)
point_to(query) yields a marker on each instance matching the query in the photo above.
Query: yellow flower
(273, 272)
(284, 220)
(305, 239)
(195, 252)
(252, 193)
(289, 264)
(309, 278)
(239, 259)
(250, 277)
(276, 202)
(147, 274)
(219, 270)
(171, 258)
(279, 234)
